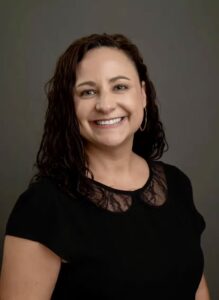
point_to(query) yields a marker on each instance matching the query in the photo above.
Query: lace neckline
(153, 192)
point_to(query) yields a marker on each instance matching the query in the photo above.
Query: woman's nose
(105, 103)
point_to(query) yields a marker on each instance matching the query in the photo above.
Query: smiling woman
(111, 115)
(104, 217)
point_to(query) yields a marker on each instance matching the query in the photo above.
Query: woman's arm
(202, 292)
(29, 270)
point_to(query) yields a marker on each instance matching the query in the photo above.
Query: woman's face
(109, 98)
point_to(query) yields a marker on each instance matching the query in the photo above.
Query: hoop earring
(144, 120)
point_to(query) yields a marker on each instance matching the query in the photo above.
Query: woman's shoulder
(40, 202)
(43, 186)
(35, 198)
(46, 189)
(180, 187)
(172, 170)
(45, 197)
(176, 177)
(40, 192)
(42, 213)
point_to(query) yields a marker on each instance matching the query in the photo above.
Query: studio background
(179, 42)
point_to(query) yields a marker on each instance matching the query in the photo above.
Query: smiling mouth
(112, 121)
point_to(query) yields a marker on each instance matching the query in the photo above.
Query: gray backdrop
(179, 41)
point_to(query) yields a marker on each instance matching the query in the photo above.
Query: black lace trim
(156, 192)
(153, 193)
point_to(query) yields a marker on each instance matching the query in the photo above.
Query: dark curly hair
(61, 155)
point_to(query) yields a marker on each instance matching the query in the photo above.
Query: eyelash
(125, 87)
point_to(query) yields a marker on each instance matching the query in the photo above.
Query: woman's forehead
(105, 60)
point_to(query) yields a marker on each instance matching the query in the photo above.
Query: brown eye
(121, 87)
(87, 93)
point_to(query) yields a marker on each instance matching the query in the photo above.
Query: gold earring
(144, 120)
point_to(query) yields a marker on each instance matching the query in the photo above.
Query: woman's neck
(111, 166)
(109, 160)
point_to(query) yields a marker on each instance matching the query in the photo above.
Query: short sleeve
(37, 216)
(180, 188)
(186, 192)
(198, 219)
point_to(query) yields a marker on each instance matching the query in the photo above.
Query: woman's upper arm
(29, 270)
(202, 292)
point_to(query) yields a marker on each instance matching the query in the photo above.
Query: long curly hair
(61, 155)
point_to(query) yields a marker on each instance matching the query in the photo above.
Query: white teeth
(108, 122)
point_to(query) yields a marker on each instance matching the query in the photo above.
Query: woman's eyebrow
(92, 83)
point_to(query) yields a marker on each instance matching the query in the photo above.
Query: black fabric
(147, 252)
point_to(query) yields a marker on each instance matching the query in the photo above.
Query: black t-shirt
(140, 244)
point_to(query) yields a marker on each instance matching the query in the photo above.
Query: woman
(104, 218)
